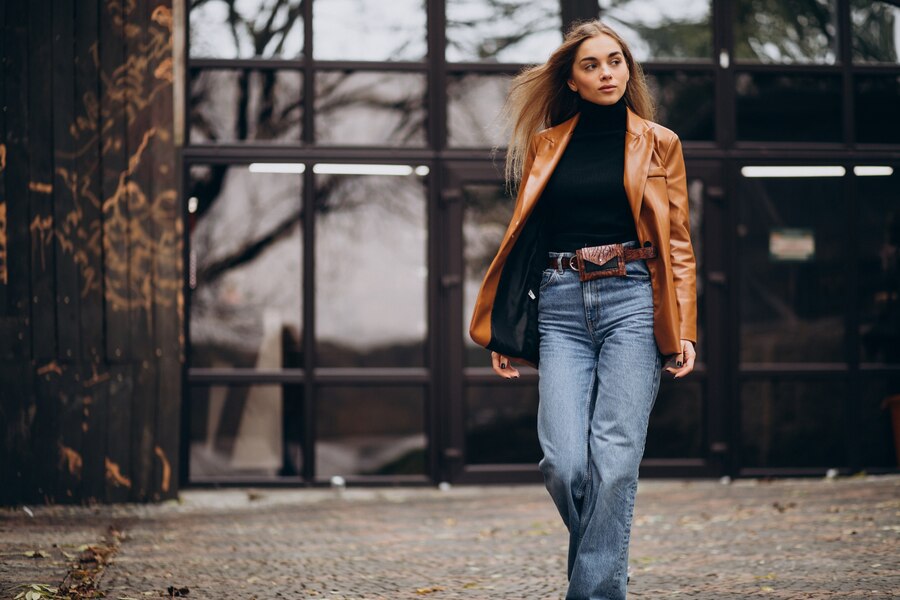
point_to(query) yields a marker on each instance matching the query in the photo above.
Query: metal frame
(443, 376)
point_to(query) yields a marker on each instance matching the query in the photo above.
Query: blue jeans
(599, 375)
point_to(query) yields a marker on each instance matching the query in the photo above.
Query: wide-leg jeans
(599, 376)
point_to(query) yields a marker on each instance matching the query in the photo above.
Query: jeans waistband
(628, 244)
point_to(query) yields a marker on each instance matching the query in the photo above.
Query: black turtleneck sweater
(584, 203)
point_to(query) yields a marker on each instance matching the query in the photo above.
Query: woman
(594, 283)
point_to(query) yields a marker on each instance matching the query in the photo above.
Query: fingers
(684, 362)
(503, 367)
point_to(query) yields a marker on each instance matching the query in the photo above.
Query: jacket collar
(638, 151)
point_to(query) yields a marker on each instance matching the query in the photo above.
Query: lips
(607, 88)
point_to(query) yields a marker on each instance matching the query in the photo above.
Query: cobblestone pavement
(791, 538)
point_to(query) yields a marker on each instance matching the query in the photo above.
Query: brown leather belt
(601, 261)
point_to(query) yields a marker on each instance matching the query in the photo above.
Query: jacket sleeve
(684, 265)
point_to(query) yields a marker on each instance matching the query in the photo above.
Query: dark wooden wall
(91, 306)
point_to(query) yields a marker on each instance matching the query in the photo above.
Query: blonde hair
(539, 97)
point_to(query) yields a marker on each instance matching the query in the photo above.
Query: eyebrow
(613, 53)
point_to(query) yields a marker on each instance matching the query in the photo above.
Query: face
(599, 73)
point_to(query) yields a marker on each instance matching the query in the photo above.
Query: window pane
(876, 97)
(685, 103)
(371, 271)
(676, 422)
(245, 268)
(779, 31)
(486, 213)
(231, 105)
(370, 431)
(383, 109)
(876, 31)
(660, 29)
(369, 30)
(878, 438)
(246, 29)
(473, 111)
(250, 430)
(510, 32)
(793, 424)
(879, 267)
(793, 283)
(501, 425)
(797, 108)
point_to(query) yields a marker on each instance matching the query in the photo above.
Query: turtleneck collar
(597, 117)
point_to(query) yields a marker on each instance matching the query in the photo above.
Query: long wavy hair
(539, 97)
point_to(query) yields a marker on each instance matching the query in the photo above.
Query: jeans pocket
(547, 277)
(637, 269)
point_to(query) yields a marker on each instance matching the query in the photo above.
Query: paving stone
(786, 538)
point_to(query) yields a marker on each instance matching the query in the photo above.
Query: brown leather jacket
(505, 315)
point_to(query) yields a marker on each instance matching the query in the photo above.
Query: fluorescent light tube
(277, 168)
(869, 170)
(358, 169)
(794, 171)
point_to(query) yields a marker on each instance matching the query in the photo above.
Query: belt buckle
(600, 256)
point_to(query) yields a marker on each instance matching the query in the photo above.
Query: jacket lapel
(638, 151)
(553, 143)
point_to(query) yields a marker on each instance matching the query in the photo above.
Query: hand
(503, 367)
(684, 361)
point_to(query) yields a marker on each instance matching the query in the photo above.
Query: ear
(572, 86)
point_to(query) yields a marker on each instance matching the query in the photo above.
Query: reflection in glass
(788, 107)
(362, 108)
(369, 30)
(232, 105)
(246, 430)
(486, 213)
(879, 267)
(371, 271)
(246, 29)
(780, 31)
(685, 103)
(875, 97)
(793, 283)
(370, 431)
(473, 110)
(793, 423)
(501, 425)
(514, 31)
(676, 422)
(245, 268)
(876, 31)
(876, 434)
(660, 29)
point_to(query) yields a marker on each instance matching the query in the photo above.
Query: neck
(599, 117)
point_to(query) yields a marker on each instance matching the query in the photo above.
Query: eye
(589, 66)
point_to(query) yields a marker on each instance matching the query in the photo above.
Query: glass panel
(676, 422)
(246, 430)
(877, 96)
(370, 431)
(510, 32)
(501, 425)
(876, 31)
(793, 424)
(372, 270)
(879, 433)
(686, 103)
(231, 105)
(792, 31)
(383, 109)
(486, 214)
(777, 107)
(473, 109)
(660, 29)
(793, 282)
(245, 268)
(369, 30)
(878, 198)
(246, 29)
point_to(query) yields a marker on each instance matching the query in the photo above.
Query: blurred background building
(240, 240)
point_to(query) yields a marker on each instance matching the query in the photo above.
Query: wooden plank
(40, 185)
(143, 428)
(117, 461)
(67, 214)
(15, 449)
(114, 161)
(95, 388)
(72, 405)
(15, 337)
(4, 274)
(87, 166)
(168, 302)
(45, 431)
